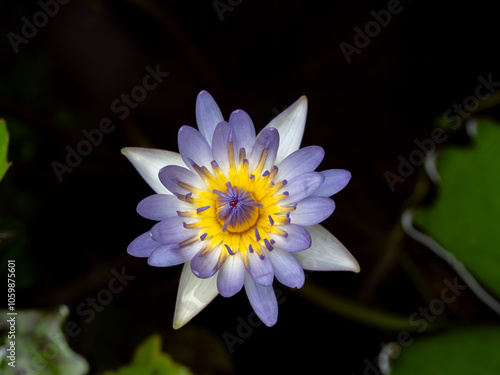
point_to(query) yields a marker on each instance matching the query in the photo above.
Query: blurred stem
(392, 249)
(415, 275)
(353, 311)
(384, 263)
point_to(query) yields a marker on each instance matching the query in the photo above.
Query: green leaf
(149, 360)
(465, 216)
(4, 146)
(40, 344)
(466, 351)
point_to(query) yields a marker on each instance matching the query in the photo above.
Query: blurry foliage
(40, 344)
(48, 99)
(17, 143)
(4, 146)
(465, 217)
(12, 232)
(473, 350)
(150, 360)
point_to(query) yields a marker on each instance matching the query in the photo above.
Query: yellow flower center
(238, 210)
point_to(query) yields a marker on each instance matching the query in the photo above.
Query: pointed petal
(205, 266)
(231, 276)
(171, 230)
(297, 238)
(267, 141)
(301, 161)
(224, 134)
(301, 187)
(243, 126)
(172, 255)
(326, 253)
(263, 301)
(160, 206)
(335, 180)
(142, 246)
(290, 124)
(312, 210)
(208, 115)
(172, 175)
(287, 269)
(194, 147)
(194, 295)
(261, 270)
(149, 161)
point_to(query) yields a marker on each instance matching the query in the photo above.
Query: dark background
(260, 56)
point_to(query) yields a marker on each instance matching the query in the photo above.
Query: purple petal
(301, 161)
(193, 147)
(172, 255)
(297, 238)
(243, 126)
(231, 276)
(208, 114)
(205, 266)
(263, 301)
(171, 175)
(160, 206)
(269, 140)
(301, 187)
(261, 270)
(142, 246)
(287, 269)
(171, 230)
(312, 210)
(222, 135)
(335, 180)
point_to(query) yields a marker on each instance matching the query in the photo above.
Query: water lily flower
(239, 209)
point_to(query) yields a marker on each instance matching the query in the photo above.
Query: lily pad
(33, 342)
(150, 360)
(465, 216)
(466, 351)
(4, 147)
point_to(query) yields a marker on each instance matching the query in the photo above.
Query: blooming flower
(239, 209)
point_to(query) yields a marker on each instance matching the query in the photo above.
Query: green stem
(355, 311)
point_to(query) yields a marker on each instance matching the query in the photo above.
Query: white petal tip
(298, 107)
(301, 102)
(194, 295)
(350, 263)
(129, 152)
(356, 268)
(149, 161)
(326, 253)
(178, 325)
(346, 262)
